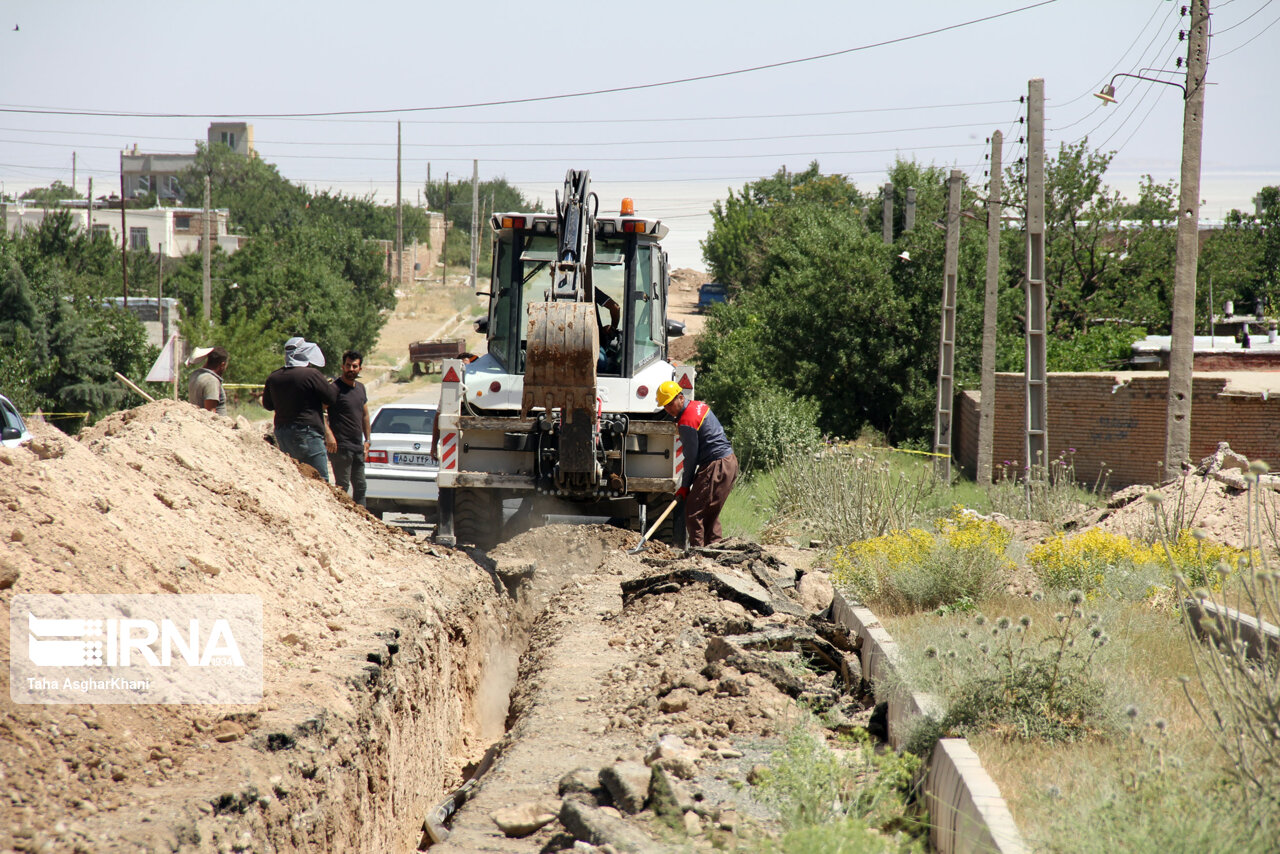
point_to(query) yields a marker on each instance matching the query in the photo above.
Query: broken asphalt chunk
(743, 591)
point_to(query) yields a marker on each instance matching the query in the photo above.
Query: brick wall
(1117, 421)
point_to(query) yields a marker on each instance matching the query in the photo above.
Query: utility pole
(124, 238)
(987, 404)
(947, 338)
(475, 220)
(208, 259)
(887, 213)
(88, 216)
(159, 280)
(399, 217)
(444, 246)
(910, 221)
(73, 171)
(1182, 344)
(1037, 374)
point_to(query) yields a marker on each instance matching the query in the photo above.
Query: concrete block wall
(967, 814)
(1116, 421)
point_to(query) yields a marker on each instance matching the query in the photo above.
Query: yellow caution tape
(242, 385)
(55, 415)
(894, 450)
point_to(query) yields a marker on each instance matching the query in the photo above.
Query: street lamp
(1108, 93)
(1183, 325)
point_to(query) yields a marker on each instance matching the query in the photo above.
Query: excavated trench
(695, 666)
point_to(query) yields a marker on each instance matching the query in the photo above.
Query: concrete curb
(966, 810)
(1262, 637)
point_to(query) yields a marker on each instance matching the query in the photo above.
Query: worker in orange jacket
(710, 466)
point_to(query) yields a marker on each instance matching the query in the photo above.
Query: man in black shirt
(346, 432)
(297, 394)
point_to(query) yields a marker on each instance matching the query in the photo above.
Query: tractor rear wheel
(477, 517)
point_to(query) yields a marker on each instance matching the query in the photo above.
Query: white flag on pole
(165, 369)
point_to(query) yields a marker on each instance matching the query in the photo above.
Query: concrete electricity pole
(207, 292)
(399, 217)
(987, 404)
(947, 338)
(475, 221)
(1037, 374)
(1181, 348)
(88, 215)
(444, 245)
(909, 222)
(124, 237)
(888, 213)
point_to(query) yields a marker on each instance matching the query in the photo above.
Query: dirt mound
(170, 499)
(686, 279)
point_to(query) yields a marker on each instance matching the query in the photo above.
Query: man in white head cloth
(298, 393)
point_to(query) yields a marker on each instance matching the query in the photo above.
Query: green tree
(823, 318)
(55, 192)
(741, 226)
(258, 198)
(453, 199)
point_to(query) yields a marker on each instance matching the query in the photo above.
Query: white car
(399, 469)
(15, 432)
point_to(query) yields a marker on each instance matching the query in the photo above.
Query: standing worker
(205, 387)
(710, 466)
(346, 430)
(298, 393)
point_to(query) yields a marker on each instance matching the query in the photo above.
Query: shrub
(812, 786)
(1003, 678)
(1084, 561)
(914, 570)
(842, 494)
(1045, 493)
(771, 425)
(1098, 561)
(1240, 699)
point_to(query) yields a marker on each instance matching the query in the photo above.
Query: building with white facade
(172, 232)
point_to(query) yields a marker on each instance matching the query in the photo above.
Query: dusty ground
(683, 306)
(388, 661)
(607, 677)
(171, 499)
(425, 311)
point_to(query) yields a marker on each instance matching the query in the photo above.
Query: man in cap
(710, 466)
(205, 387)
(298, 393)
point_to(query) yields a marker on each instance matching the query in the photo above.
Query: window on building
(182, 223)
(138, 238)
(101, 230)
(174, 189)
(229, 138)
(144, 183)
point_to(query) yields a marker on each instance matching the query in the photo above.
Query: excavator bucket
(560, 373)
(560, 358)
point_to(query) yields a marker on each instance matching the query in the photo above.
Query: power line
(1133, 109)
(476, 145)
(657, 120)
(1246, 20)
(1132, 68)
(1120, 61)
(538, 98)
(1260, 32)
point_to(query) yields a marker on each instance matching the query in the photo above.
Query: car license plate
(411, 459)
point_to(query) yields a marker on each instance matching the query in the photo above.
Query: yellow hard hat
(667, 392)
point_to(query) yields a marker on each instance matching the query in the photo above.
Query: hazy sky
(674, 148)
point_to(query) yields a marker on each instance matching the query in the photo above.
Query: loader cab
(629, 269)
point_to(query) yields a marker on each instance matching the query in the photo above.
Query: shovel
(639, 548)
